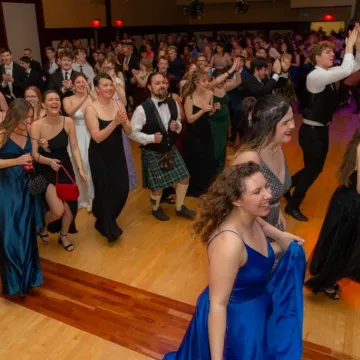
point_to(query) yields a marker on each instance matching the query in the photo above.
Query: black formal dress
(199, 154)
(337, 251)
(58, 146)
(111, 181)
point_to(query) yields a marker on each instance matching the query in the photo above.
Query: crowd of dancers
(65, 133)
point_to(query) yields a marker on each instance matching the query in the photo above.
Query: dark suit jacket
(35, 78)
(134, 63)
(55, 83)
(253, 87)
(19, 84)
(35, 65)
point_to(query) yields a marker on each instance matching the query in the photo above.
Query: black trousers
(314, 142)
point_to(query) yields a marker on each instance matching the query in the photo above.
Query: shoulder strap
(222, 231)
(64, 123)
(66, 172)
(158, 118)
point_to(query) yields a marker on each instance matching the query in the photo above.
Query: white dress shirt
(87, 70)
(138, 121)
(9, 71)
(69, 72)
(53, 66)
(319, 78)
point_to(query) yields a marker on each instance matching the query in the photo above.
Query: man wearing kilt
(156, 124)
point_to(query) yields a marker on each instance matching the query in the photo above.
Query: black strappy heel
(43, 237)
(69, 247)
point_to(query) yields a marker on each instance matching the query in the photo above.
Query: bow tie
(162, 102)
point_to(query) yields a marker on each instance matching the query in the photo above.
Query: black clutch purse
(37, 184)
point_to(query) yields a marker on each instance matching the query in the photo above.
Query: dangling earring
(250, 119)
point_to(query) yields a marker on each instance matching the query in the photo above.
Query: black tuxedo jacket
(19, 84)
(253, 87)
(134, 63)
(55, 83)
(35, 65)
(35, 78)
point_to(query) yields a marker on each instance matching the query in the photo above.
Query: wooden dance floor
(133, 300)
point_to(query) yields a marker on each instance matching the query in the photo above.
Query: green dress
(220, 123)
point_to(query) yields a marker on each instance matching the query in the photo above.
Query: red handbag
(66, 192)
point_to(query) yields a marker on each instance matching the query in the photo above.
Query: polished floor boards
(143, 322)
(164, 259)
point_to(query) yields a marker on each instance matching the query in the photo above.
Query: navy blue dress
(264, 313)
(20, 216)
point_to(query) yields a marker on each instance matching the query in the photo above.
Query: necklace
(272, 151)
(105, 106)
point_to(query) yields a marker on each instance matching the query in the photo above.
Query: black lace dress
(337, 251)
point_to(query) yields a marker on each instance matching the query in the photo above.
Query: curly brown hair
(217, 204)
(348, 164)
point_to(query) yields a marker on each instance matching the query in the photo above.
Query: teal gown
(20, 216)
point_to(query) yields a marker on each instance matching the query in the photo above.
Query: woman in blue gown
(20, 213)
(247, 312)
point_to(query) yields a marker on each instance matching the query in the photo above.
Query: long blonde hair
(348, 164)
(190, 85)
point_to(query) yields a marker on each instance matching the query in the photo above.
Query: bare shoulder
(90, 110)
(227, 245)
(35, 125)
(68, 99)
(245, 157)
(68, 121)
(189, 100)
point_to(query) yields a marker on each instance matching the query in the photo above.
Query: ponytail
(190, 85)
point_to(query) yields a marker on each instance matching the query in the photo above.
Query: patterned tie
(66, 75)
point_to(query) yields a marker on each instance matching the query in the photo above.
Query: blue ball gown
(264, 313)
(20, 216)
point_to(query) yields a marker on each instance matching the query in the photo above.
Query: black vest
(152, 126)
(321, 107)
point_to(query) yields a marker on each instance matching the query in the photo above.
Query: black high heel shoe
(69, 247)
(44, 237)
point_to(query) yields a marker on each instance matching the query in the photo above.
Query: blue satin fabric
(264, 314)
(20, 216)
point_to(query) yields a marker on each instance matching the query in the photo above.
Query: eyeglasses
(30, 97)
